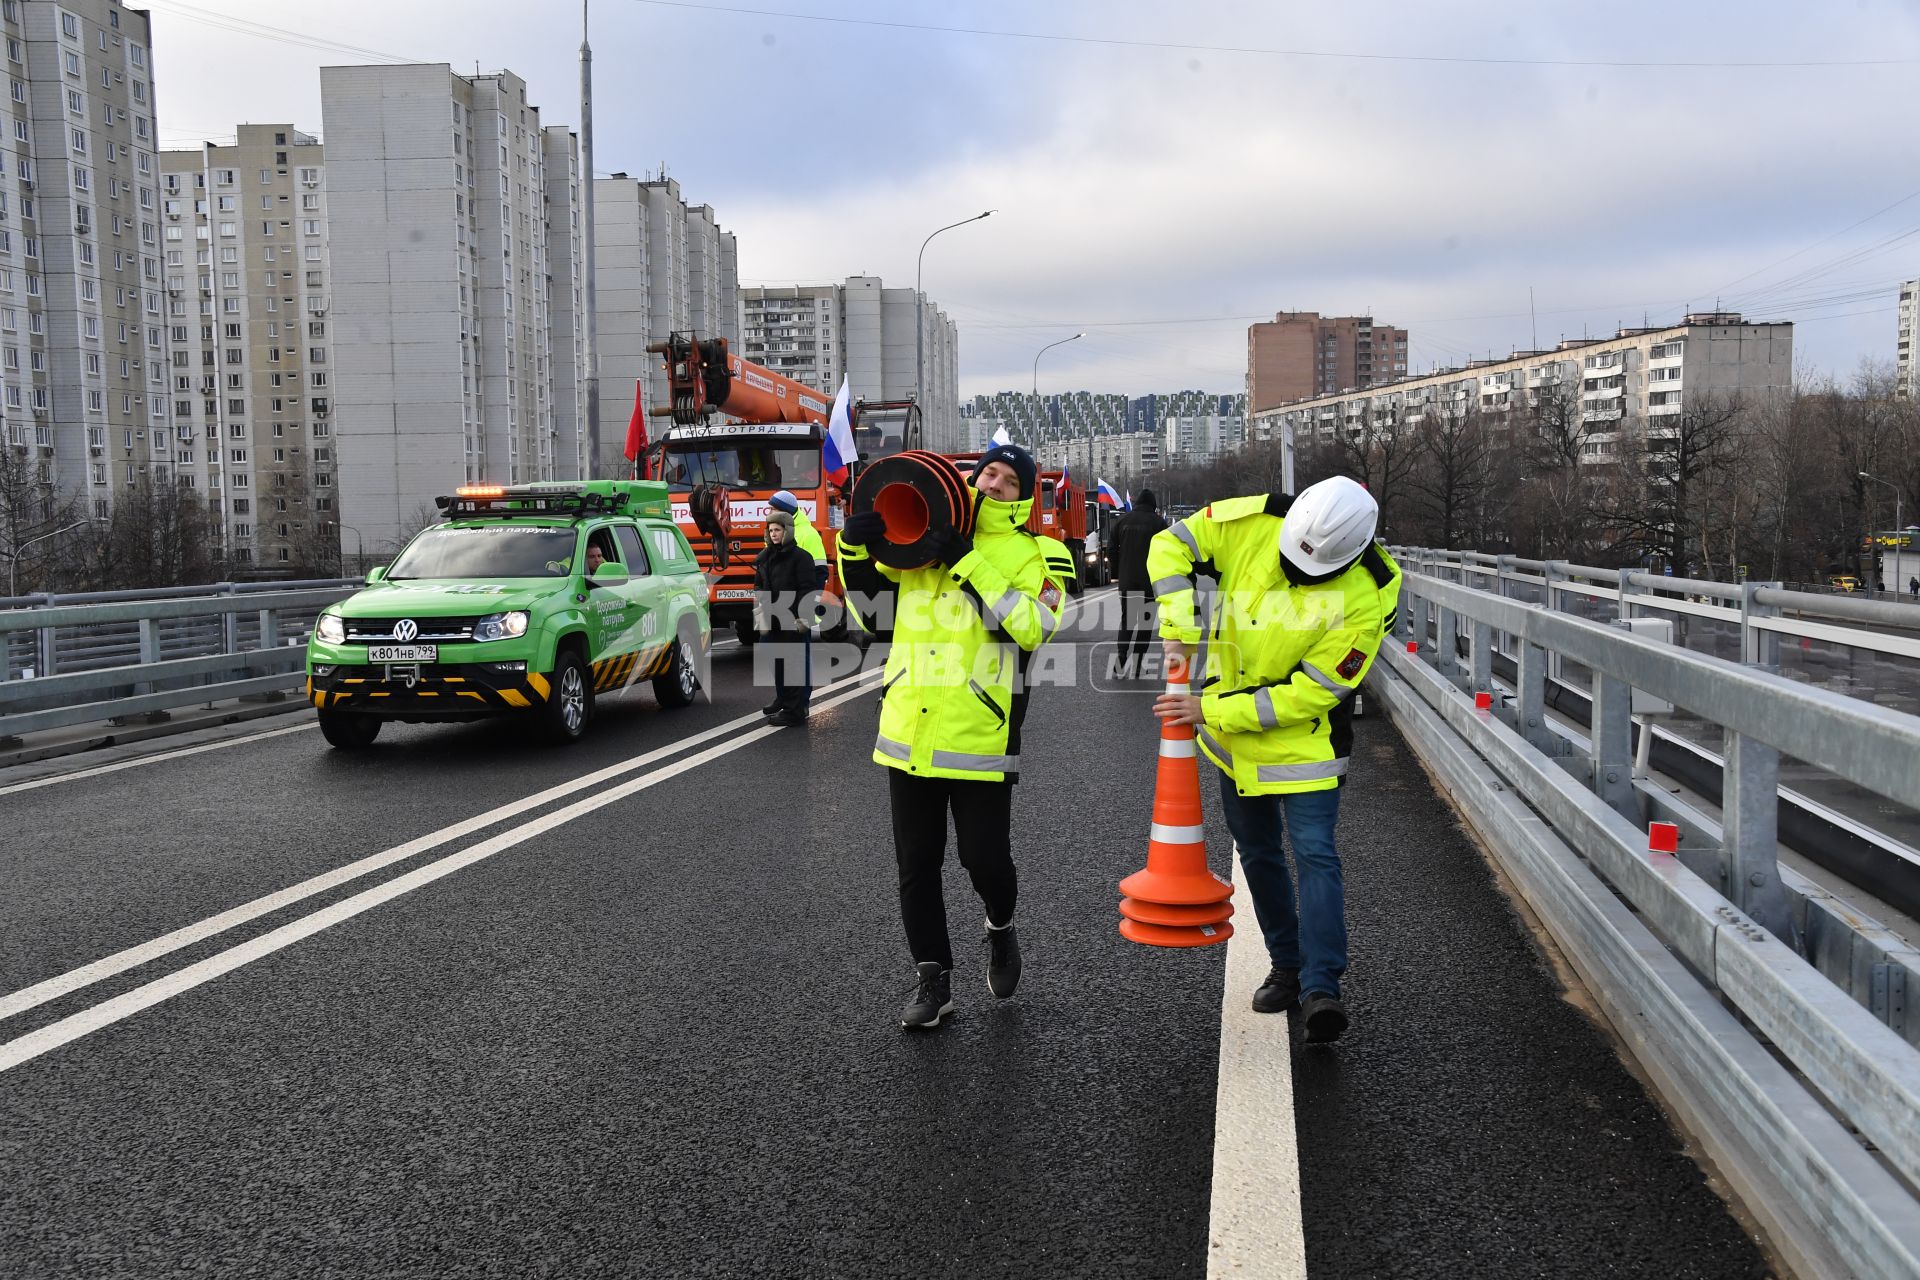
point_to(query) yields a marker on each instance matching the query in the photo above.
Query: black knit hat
(1146, 500)
(1014, 456)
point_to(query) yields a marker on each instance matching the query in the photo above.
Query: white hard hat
(1328, 526)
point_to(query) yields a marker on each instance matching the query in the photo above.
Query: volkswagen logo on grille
(405, 630)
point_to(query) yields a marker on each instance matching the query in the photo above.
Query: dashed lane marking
(1255, 1226)
(86, 975)
(105, 1014)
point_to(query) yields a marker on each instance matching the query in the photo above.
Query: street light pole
(1036, 394)
(359, 550)
(13, 561)
(1899, 520)
(919, 311)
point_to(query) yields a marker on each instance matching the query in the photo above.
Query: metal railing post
(1503, 586)
(1445, 646)
(1611, 746)
(1758, 648)
(1482, 656)
(1750, 809)
(1532, 710)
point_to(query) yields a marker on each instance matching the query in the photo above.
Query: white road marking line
(1254, 1222)
(78, 774)
(86, 975)
(105, 1014)
(176, 754)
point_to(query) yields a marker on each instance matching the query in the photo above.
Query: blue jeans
(1311, 937)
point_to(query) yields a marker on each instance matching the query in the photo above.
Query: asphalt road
(650, 1028)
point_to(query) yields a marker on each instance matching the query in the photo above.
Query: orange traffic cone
(1176, 901)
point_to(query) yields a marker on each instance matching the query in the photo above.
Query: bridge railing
(72, 660)
(1748, 944)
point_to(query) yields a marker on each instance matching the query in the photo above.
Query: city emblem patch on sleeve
(1350, 665)
(1050, 595)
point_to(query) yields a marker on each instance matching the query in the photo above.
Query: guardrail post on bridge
(1611, 746)
(1750, 819)
(1759, 648)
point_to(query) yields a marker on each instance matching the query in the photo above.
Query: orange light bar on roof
(481, 491)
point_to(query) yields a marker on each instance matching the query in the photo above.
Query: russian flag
(1128, 504)
(1104, 494)
(1066, 474)
(840, 453)
(1000, 436)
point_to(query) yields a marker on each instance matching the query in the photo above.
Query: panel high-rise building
(662, 266)
(1302, 353)
(82, 344)
(443, 237)
(864, 331)
(248, 364)
(1906, 368)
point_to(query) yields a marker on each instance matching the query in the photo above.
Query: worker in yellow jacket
(1305, 597)
(950, 715)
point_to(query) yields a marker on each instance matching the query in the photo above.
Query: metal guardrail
(90, 659)
(1670, 969)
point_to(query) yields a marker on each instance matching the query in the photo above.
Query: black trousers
(983, 827)
(791, 652)
(1136, 624)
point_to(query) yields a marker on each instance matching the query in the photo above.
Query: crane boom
(703, 377)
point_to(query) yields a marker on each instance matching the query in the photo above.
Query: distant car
(1843, 582)
(494, 613)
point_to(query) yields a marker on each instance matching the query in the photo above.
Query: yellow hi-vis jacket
(808, 539)
(955, 687)
(1282, 661)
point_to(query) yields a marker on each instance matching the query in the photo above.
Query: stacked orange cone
(1176, 901)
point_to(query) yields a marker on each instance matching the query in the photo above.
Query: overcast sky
(1160, 195)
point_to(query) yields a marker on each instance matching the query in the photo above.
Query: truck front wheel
(349, 730)
(569, 699)
(678, 685)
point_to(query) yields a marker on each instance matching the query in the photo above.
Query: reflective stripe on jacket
(955, 680)
(1282, 660)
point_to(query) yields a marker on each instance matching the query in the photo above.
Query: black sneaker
(932, 999)
(772, 707)
(787, 718)
(1003, 961)
(1279, 992)
(1325, 1017)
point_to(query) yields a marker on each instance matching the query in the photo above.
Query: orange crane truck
(741, 432)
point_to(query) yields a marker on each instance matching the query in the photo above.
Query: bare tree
(1450, 476)
(32, 510)
(1667, 468)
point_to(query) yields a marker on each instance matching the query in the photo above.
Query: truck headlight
(330, 629)
(501, 626)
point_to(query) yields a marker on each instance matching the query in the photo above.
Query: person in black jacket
(782, 578)
(1128, 556)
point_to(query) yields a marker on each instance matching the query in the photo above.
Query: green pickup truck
(527, 601)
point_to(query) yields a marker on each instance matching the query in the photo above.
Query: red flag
(637, 424)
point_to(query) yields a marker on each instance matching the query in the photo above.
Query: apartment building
(1197, 428)
(82, 376)
(863, 331)
(248, 343)
(1906, 369)
(1637, 379)
(662, 266)
(444, 241)
(566, 302)
(1302, 353)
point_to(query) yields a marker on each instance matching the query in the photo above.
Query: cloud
(1163, 184)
